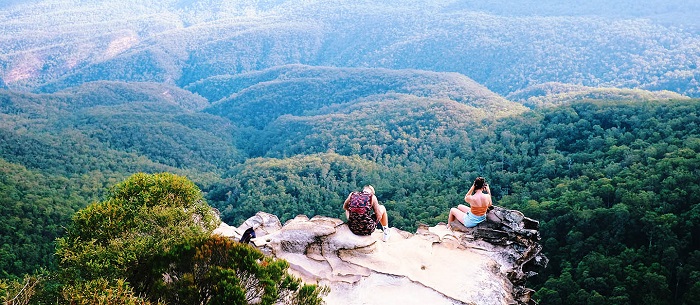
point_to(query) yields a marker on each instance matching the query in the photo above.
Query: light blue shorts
(471, 220)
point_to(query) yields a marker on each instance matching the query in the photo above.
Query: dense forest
(583, 116)
(613, 183)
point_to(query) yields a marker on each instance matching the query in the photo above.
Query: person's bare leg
(455, 214)
(383, 218)
(464, 208)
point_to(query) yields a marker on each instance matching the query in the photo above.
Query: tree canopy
(613, 180)
(151, 242)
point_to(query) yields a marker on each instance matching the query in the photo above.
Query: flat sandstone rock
(437, 265)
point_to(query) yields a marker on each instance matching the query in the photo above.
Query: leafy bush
(150, 243)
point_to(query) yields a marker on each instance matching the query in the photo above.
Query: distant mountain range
(285, 106)
(51, 45)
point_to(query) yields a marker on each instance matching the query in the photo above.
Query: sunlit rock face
(488, 264)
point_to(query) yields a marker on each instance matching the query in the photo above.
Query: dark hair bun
(479, 183)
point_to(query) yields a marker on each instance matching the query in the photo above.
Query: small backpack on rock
(248, 235)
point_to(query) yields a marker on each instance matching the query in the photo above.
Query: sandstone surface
(488, 264)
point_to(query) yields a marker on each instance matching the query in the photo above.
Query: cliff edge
(488, 264)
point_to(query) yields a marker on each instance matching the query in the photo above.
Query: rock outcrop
(488, 264)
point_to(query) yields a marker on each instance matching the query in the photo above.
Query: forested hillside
(582, 115)
(276, 92)
(573, 167)
(61, 151)
(614, 184)
(506, 49)
(34, 208)
(617, 193)
(107, 126)
(554, 94)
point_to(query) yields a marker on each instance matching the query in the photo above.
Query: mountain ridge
(500, 52)
(297, 89)
(553, 94)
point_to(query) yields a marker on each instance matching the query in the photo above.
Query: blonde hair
(369, 188)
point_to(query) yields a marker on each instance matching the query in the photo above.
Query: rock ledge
(488, 264)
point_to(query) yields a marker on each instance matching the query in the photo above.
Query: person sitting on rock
(358, 210)
(479, 199)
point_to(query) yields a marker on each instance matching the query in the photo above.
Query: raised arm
(488, 192)
(468, 196)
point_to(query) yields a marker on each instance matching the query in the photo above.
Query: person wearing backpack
(358, 210)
